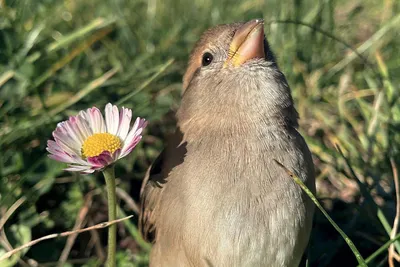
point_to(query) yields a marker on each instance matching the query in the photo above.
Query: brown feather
(154, 182)
(215, 196)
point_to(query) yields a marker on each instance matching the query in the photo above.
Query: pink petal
(53, 147)
(125, 117)
(84, 127)
(102, 160)
(116, 154)
(57, 153)
(73, 127)
(136, 130)
(69, 136)
(95, 120)
(64, 140)
(129, 147)
(62, 158)
(131, 140)
(112, 119)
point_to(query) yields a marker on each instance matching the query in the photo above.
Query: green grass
(57, 57)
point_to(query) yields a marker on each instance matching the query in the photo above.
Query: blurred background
(341, 58)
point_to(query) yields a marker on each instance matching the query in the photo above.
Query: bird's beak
(247, 43)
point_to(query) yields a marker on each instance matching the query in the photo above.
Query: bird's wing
(155, 182)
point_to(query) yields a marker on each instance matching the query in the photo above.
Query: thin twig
(6, 244)
(97, 244)
(396, 219)
(79, 223)
(396, 256)
(52, 236)
(3, 220)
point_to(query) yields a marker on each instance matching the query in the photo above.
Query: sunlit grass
(341, 59)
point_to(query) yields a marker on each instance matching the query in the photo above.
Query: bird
(215, 195)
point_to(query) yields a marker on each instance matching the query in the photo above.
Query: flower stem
(109, 176)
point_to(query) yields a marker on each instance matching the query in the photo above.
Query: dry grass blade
(74, 53)
(122, 194)
(85, 91)
(98, 23)
(97, 243)
(3, 238)
(33, 242)
(6, 244)
(6, 76)
(366, 45)
(11, 210)
(392, 253)
(79, 222)
(355, 52)
(147, 82)
(381, 249)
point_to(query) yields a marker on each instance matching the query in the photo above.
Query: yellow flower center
(98, 143)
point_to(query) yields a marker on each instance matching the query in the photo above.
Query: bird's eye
(207, 59)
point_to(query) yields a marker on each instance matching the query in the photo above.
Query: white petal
(65, 141)
(62, 158)
(72, 127)
(96, 120)
(112, 119)
(125, 117)
(77, 168)
(84, 125)
(136, 131)
(116, 155)
(129, 147)
(58, 154)
(133, 130)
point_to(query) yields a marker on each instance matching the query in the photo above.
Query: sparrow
(215, 196)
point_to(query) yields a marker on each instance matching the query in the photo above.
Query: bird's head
(232, 73)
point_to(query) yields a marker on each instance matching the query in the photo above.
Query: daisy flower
(88, 142)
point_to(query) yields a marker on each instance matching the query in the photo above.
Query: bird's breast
(234, 200)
